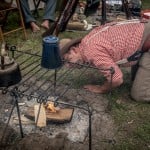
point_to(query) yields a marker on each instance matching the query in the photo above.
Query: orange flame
(50, 107)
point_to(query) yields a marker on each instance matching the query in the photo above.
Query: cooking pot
(9, 73)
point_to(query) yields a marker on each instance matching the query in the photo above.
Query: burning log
(51, 108)
(50, 112)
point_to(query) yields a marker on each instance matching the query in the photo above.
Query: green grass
(145, 4)
(133, 124)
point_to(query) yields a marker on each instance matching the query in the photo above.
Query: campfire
(36, 94)
(47, 112)
(73, 121)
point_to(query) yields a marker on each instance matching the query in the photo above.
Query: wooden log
(40, 115)
(76, 26)
(63, 115)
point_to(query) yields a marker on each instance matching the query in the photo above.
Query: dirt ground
(103, 130)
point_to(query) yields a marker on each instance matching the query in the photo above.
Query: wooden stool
(6, 12)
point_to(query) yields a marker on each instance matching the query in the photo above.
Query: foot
(45, 24)
(34, 27)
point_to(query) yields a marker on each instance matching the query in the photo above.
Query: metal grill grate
(40, 84)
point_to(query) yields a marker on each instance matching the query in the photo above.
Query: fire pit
(76, 128)
(37, 86)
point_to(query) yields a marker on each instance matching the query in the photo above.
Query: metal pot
(9, 74)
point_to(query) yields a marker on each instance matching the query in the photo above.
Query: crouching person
(104, 47)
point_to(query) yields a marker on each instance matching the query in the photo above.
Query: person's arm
(106, 87)
(104, 62)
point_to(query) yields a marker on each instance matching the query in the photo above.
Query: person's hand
(106, 87)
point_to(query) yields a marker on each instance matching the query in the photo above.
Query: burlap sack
(140, 90)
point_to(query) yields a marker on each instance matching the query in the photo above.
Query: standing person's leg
(28, 15)
(26, 11)
(49, 14)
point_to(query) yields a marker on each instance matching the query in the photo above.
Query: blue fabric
(49, 12)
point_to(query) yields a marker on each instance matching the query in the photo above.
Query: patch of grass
(128, 144)
(145, 4)
(131, 118)
(12, 21)
(134, 126)
(90, 76)
(143, 132)
(137, 138)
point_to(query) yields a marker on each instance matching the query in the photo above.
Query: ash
(76, 129)
(103, 127)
